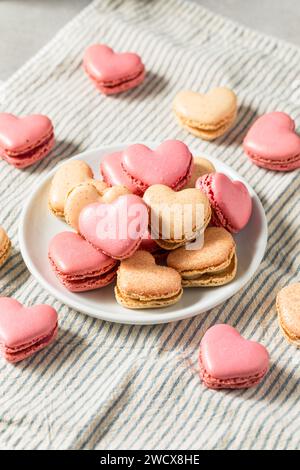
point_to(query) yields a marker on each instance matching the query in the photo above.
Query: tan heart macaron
(5, 246)
(86, 193)
(206, 115)
(68, 175)
(176, 218)
(288, 309)
(215, 264)
(141, 283)
(201, 167)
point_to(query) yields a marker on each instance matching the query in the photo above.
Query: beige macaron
(201, 167)
(5, 246)
(141, 283)
(206, 115)
(176, 218)
(88, 192)
(288, 309)
(67, 176)
(214, 264)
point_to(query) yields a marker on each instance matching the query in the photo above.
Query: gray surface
(26, 25)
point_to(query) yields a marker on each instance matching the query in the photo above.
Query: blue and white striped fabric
(109, 386)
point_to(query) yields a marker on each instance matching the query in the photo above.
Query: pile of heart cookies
(130, 224)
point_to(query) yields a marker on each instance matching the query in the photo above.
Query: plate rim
(151, 318)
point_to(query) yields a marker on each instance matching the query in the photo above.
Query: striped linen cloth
(111, 386)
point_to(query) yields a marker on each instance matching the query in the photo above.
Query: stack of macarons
(146, 250)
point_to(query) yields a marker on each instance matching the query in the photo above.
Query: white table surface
(26, 25)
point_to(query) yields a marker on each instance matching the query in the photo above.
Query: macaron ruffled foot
(5, 246)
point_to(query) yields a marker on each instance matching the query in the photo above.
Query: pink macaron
(114, 175)
(227, 360)
(272, 142)
(113, 72)
(170, 164)
(25, 140)
(230, 201)
(25, 330)
(78, 265)
(116, 229)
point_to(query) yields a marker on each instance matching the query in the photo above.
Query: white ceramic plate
(38, 226)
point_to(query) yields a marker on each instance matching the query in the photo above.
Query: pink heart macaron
(25, 140)
(114, 175)
(25, 330)
(230, 201)
(227, 360)
(78, 265)
(113, 72)
(170, 164)
(116, 229)
(272, 142)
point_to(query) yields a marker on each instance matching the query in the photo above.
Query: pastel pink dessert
(227, 360)
(78, 265)
(114, 175)
(170, 164)
(117, 228)
(149, 244)
(272, 142)
(25, 140)
(230, 201)
(113, 72)
(25, 330)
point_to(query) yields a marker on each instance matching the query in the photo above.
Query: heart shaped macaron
(176, 217)
(141, 283)
(25, 140)
(206, 115)
(170, 164)
(230, 200)
(288, 309)
(227, 360)
(25, 330)
(117, 228)
(272, 142)
(78, 265)
(89, 192)
(67, 176)
(113, 72)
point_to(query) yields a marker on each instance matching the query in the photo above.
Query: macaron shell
(5, 246)
(68, 175)
(272, 138)
(23, 133)
(115, 239)
(113, 173)
(74, 256)
(107, 66)
(141, 283)
(170, 164)
(158, 197)
(20, 325)
(288, 308)
(230, 200)
(225, 354)
(206, 111)
(201, 167)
